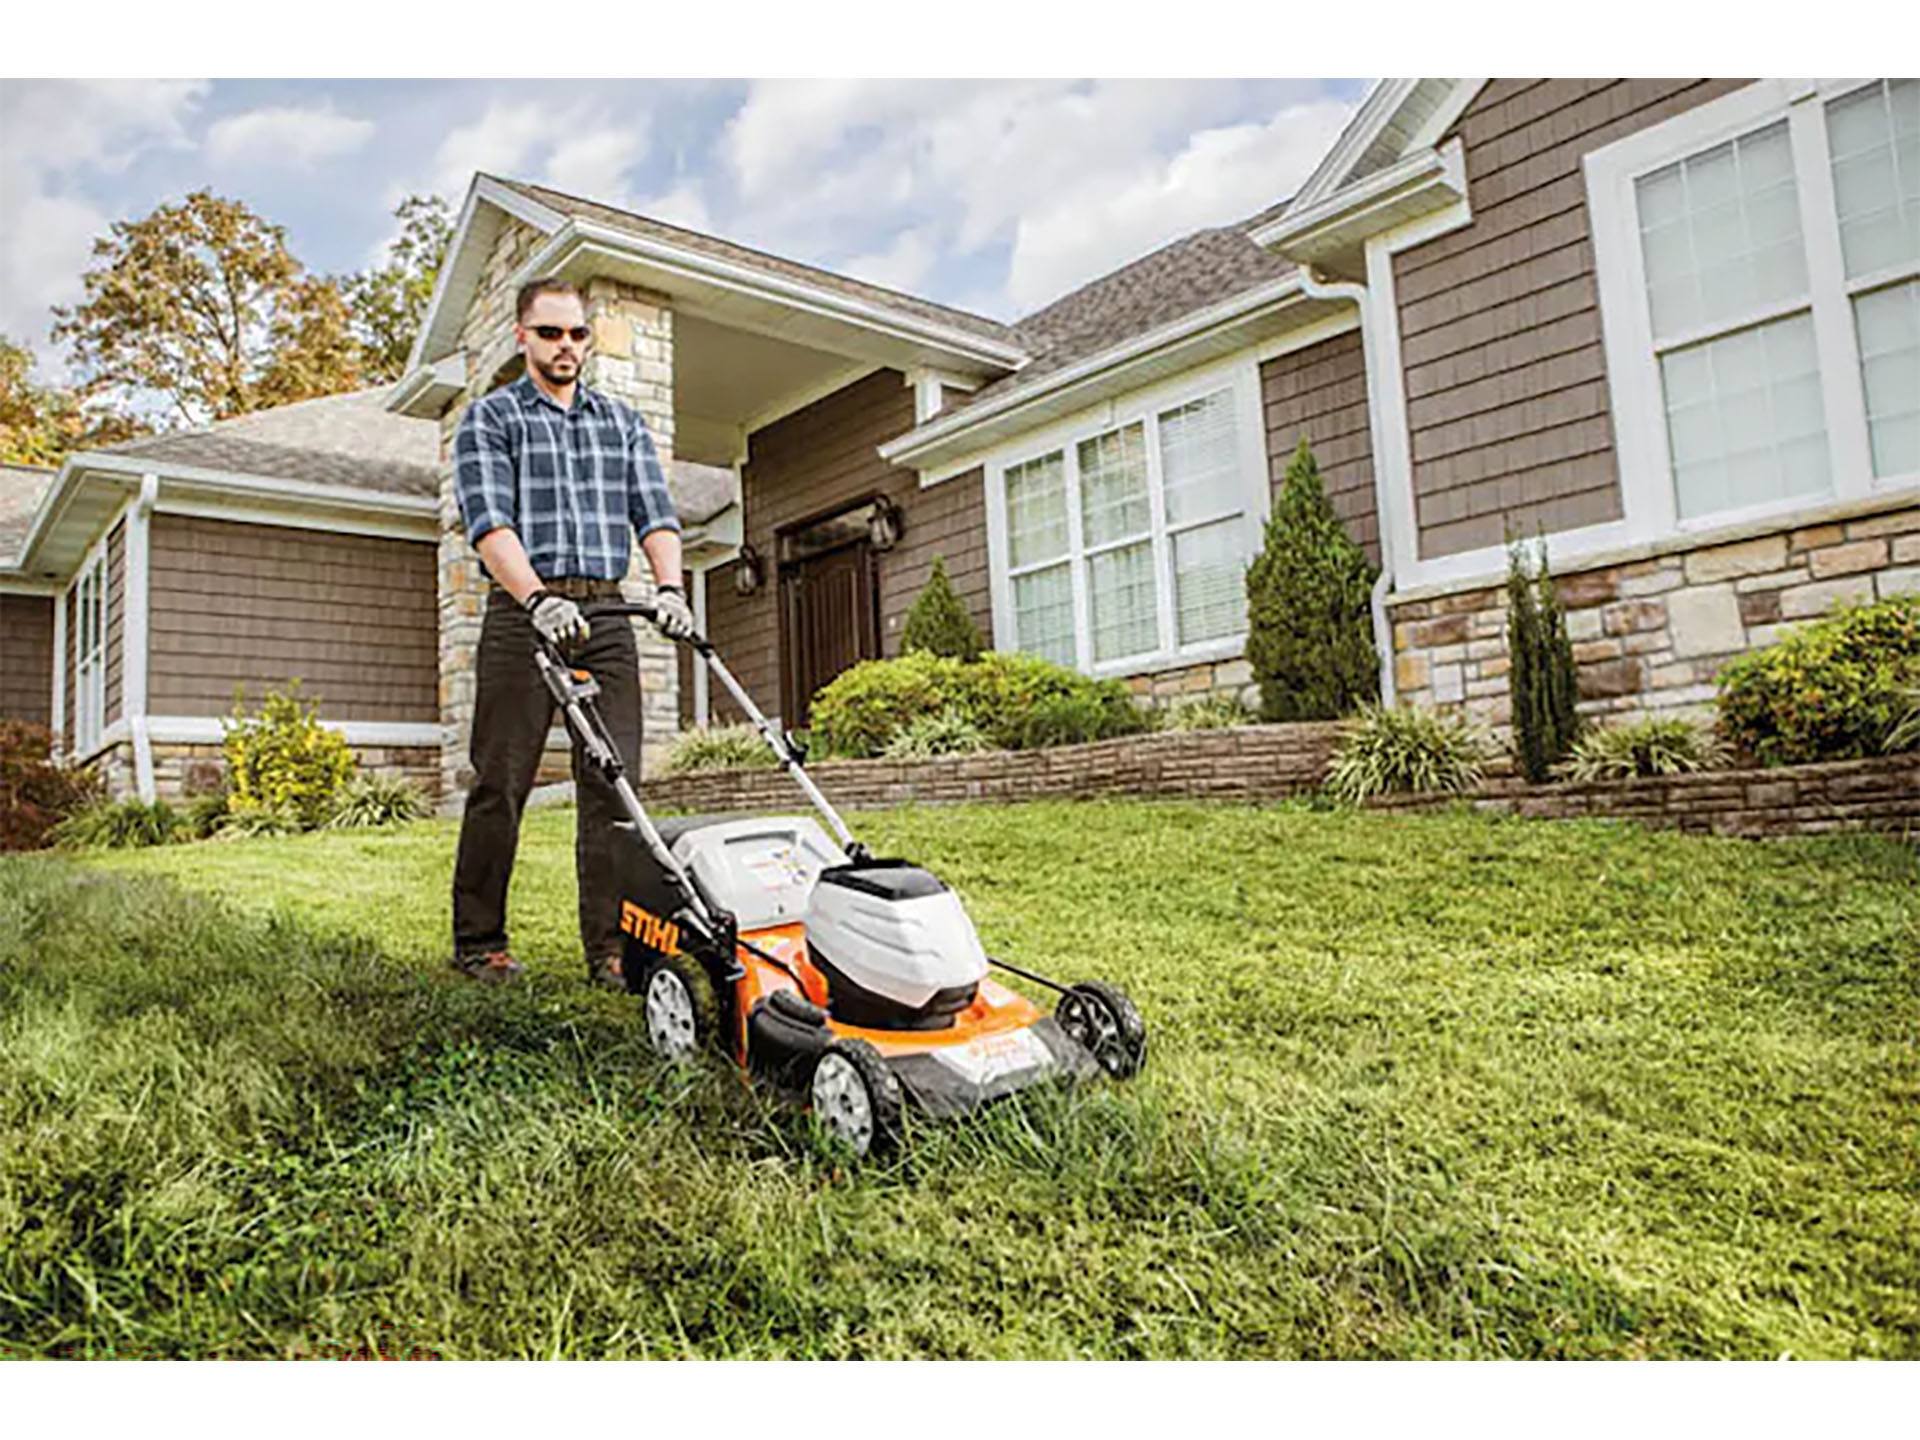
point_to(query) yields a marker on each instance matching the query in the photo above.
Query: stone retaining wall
(1881, 794)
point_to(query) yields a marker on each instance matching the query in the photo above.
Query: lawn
(1434, 1085)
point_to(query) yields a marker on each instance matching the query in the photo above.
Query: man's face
(558, 359)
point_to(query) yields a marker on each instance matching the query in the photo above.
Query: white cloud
(502, 141)
(684, 205)
(285, 135)
(593, 162)
(903, 265)
(74, 126)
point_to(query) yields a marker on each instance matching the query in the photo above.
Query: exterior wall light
(747, 572)
(885, 524)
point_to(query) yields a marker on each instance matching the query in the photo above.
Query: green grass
(1437, 1085)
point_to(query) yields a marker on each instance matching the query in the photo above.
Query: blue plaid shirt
(569, 483)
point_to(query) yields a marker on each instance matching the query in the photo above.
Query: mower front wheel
(1106, 1024)
(678, 1002)
(856, 1097)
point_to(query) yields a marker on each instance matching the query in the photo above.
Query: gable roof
(647, 228)
(21, 487)
(348, 440)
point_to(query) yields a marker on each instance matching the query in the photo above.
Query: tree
(196, 304)
(1545, 723)
(389, 303)
(938, 622)
(39, 424)
(1309, 606)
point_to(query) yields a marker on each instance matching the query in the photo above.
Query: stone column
(633, 362)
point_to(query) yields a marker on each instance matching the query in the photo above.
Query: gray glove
(671, 614)
(558, 619)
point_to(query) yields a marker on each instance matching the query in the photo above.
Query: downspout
(1382, 631)
(135, 635)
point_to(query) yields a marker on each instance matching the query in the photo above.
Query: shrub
(1642, 747)
(856, 713)
(1210, 712)
(260, 820)
(719, 747)
(284, 759)
(35, 793)
(368, 801)
(928, 736)
(205, 814)
(1406, 750)
(121, 825)
(1834, 690)
(1906, 734)
(1309, 606)
(1545, 723)
(938, 622)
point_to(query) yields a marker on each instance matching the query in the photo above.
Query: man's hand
(558, 619)
(671, 614)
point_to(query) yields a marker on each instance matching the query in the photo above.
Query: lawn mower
(853, 983)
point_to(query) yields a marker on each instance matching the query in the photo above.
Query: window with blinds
(1145, 525)
(90, 657)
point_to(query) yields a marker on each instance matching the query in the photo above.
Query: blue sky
(996, 196)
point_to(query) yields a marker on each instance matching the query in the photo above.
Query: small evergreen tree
(1545, 723)
(938, 622)
(1309, 597)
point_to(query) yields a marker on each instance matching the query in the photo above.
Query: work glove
(671, 614)
(558, 619)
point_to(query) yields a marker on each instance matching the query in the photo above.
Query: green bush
(260, 820)
(1834, 690)
(938, 622)
(864, 707)
(1407, 750)
(1545, 723)
(1642, 747)
(205, 814)
(926, 737)
(35, 793)
(1309, 606)
(1906, 734)
(719, 747)
(1209, 712)
(284, 759)
(369, 801)
(122, 825)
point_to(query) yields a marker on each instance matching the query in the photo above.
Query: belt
(577, 587)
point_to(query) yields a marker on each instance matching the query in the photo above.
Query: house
(1673, 327)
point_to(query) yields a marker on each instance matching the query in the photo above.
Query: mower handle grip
(642, 609)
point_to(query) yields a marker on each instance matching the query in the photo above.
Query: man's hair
(545, 285)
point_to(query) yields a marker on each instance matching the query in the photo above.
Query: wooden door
(829, 620)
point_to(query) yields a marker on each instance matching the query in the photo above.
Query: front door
(829, 620)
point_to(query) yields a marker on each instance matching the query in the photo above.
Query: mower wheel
(1103, 1020)
(678, 1002)
(856, 1097)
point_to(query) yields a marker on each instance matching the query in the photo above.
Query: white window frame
(90, 652)
(1633, 367)
(1240, 378)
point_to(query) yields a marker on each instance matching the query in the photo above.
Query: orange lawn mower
(855, 984)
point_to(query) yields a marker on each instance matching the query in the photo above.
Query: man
(550, 476)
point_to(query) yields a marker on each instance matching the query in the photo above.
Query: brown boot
(605, 971)
(490, 967)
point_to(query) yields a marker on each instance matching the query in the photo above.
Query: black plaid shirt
(569, 483)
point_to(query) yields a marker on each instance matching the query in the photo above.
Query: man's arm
(484, 483)
(506, 560)
(662, 547)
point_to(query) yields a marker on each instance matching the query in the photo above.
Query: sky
(993, 196)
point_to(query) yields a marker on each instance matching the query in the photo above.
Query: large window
(90, 657)
(1130, 544)
(1759, 266)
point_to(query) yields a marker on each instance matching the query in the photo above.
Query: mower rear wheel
(677, 999)
(856, 1097)
(1103, 1020)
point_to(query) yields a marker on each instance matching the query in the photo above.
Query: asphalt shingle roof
(21, 487)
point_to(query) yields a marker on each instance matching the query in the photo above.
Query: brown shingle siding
(26, 658)
(1321, 392)
(352, 617)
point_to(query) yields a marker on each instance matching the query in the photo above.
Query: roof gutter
(919, 443)
(580, 237)
(1425, 181)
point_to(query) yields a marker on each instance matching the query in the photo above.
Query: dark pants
(512, 714)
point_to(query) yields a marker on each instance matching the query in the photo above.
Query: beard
(559, 371)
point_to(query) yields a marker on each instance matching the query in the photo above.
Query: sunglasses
(554, 332)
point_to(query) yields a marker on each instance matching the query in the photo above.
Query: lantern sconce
(885, 524)
(747, 572)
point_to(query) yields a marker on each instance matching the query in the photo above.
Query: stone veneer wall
(181, 771)
(1650, 635)
(633, 361)
(1165, 689)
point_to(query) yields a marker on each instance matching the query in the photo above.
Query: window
(1759, 264)
(90, 657)
(1130, 544)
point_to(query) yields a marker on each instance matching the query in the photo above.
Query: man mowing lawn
(550, 475)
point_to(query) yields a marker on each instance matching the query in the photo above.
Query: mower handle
(643, 609)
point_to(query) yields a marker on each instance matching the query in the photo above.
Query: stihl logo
(649, 929)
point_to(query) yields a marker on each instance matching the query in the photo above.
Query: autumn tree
(389, 303)
(41, 424)
(202, 305)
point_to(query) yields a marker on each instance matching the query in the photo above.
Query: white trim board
(208, 730)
